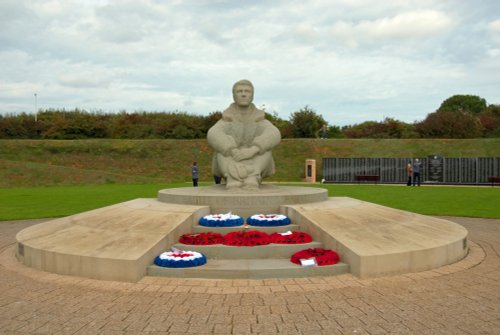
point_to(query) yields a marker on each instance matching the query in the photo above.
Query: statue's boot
(252, 182)
(233, 183)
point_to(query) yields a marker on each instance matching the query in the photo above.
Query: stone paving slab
(461, 298)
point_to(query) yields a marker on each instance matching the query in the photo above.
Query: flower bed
(290, 238)
(202, 239)
(221, 220)
(322, 256)
(180, 259)
(268, 220)
(246, 238)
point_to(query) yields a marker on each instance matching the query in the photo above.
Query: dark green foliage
(389, 128)
(78, 124)
(463, 103)
(284, 126)
(460, 116)
(334, 132)
(211, 119)
(306, 123)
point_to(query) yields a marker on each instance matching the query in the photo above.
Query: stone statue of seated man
(242, 141)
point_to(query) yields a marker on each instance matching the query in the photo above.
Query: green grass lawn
(42, 202)
(56, 201)
(465, 201)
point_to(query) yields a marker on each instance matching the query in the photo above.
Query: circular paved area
(462, 298)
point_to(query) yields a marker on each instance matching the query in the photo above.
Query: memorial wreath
(268, 220)
(290, 237)
(246, 238)
(322, 256)
(221, 220)
(180, 259)
(201, 238)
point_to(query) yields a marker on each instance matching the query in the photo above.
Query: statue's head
(243, 93)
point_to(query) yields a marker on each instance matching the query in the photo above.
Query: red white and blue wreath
(268, 220)
(221, 220)
(180, 259)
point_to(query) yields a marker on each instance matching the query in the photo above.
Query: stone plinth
(114, 243)
(120, 242)
(266, 200)
(377, 240)
(310, 171)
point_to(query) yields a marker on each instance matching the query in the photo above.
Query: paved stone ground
(462, 298)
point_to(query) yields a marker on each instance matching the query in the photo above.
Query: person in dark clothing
(416, 171)
(194, 174)
(409, 170)
(324, 130)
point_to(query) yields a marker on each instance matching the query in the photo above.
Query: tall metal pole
(36, 108)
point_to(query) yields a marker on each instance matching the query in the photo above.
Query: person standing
(409, 170)
(324, 130)
(416, 171)
(194, 174)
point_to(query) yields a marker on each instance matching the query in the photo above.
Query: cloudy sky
(349, 60)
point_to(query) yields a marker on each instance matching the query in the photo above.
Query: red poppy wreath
(246, 238)
(291, 237)
(322, 256)
(202, 239)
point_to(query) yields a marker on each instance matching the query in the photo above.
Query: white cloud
(347, 59)
(494, 29)
(494, 53)
(86, 80)
(410, 25)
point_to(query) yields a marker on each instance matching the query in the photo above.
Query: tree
(389, 128)
(490, 120)
(334, 132)
(284, 126)
(210, 120)
(450, 124)
(306, 123)
(466, 103)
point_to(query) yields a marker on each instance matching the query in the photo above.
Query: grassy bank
(48, 162)
(41, 202)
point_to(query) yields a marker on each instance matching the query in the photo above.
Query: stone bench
(367, 178)
(494, 180)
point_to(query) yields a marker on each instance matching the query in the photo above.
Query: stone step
(248, 269)
(225, 230)
(219, 251)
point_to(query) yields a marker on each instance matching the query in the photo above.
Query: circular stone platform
(266, 200)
